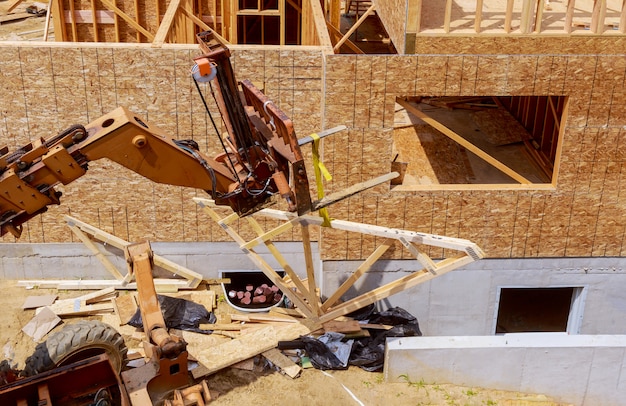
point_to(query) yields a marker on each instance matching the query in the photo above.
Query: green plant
(367, 384)
(470, 393)
(490, 402)
(419, 385)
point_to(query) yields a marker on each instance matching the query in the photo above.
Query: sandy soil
(265, 385)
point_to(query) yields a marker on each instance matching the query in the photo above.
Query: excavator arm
(261, 157)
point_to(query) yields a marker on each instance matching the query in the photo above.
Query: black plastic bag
(179, 314)
(369, 352)
(320, 355)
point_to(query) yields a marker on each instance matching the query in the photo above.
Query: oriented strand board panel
(393, 14)
(47, 88)
(582, 214)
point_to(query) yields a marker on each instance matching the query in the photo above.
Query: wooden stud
(317, 25)
(539, 18)
(569, 15)
(508, 16)
(597, 16)
(622, 18)
(479, 14)
(527, 16)
(447, 16)
(73, 22)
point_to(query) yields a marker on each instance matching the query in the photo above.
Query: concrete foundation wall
(464, 301)
(581, 370)
(75, 261)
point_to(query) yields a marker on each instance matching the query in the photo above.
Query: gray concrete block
(579, 369)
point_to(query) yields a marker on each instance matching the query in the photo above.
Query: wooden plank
(342, 326)
(282, 362)
(98, 296)
(166, 24)
(13, 4)
(354, 27)
(14, 17)
(109, 4)
(527, 16)
(215, 358)
(462, 141)
(73, 23)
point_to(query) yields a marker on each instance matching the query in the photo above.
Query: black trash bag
(180, 314)
(320, 355)
(369, 353)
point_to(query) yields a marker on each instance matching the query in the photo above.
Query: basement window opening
(462, 142)
(552, 309)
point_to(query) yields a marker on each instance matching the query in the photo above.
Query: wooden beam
(479, 14)
(508, 16)
(202, 24)
(192, 278)
(402, 284)
(569, 15)
(354, 27)
(539, 18)
(313, 299)
(462, 141)
(597, 16)
(166, 24)
(14, 4)
(622, 18)
(447, 16)
(281, 19)
(319, 23)
(364, 267)
(337, 34)
(94, 23)
(335, 13)
(58, 21)
(527, 16)
(108, 4)
(73, 24)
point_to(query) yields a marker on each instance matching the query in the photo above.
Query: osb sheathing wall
(47, 87)
(393, 15)
(583, 215)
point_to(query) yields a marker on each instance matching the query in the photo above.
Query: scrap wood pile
(221, 337)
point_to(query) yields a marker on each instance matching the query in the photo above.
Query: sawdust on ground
(265, 386)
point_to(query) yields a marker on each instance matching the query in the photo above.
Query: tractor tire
(76, 342)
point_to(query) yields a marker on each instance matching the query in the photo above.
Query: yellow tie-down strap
(320, 170)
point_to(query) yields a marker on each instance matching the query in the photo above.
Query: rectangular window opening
(552, 309)
(502, 141)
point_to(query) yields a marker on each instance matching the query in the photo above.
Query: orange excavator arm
(261, 155)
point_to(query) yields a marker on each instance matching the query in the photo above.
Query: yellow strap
(320, 170)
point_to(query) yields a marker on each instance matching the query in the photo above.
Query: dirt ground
(265, 385)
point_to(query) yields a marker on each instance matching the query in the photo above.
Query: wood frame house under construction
(505, 118)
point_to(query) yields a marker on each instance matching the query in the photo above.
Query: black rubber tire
(76, 342)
